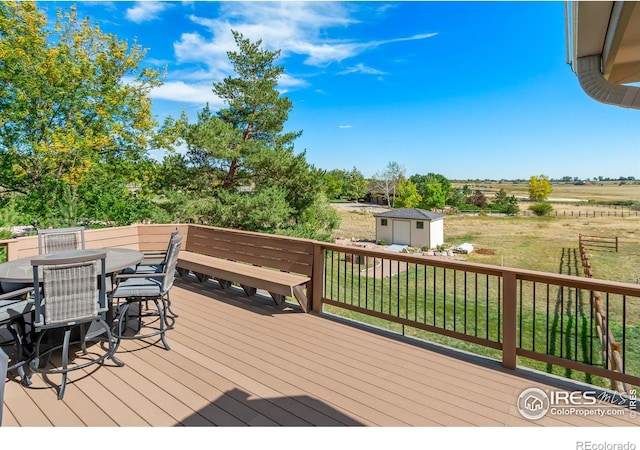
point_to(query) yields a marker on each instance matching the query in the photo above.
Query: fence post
(510, 319)
(317, 281)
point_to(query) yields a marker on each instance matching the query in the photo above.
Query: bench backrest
(278, 252)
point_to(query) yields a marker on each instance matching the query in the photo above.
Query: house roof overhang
(603, 49)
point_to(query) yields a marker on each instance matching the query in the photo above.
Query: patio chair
(72, 294)
(13, 308)
(154, 262)
(136, 288)
(54, 240)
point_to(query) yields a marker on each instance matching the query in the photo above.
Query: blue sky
(465, 89)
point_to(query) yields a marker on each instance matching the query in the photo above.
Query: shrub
(382, 242)
(541, 209)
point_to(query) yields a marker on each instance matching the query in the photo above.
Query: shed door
(402, 232)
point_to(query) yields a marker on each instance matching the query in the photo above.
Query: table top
(21, 271)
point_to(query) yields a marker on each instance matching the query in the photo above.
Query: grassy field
(546, 244)
(606, 191)
(537, 243)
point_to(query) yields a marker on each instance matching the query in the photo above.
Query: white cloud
(299, 28)
(190, 93)
(145, 11)
(361, 68)
(292, 27)
(345, 126)
(288, 81)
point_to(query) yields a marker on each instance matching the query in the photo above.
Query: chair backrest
(174, 233)
(54, 240)
(72, 287)
(169, 269)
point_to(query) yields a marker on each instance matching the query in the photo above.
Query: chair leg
(122, 315)
(18, 338)
(165, 321)
(83, 342)
(163, 324)
(168, 308)
(114, 343)
(65, 361)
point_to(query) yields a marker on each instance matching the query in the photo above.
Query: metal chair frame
(58, 307)
(137, 288)
(15, 305)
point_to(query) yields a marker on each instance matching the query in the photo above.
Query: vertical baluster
(444, 298)
(465, 302)
(455, 285)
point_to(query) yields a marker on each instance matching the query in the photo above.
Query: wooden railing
(515, 313)
(138, 237)
(535, 315)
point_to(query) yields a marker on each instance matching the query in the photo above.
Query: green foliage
(539, 188)
(241, 166)
(66, 108)
(434, 189)
(317, 222)
(434, 196)
(333, 183)
(422, 181)
(456, 198)
(541, 209)
(9, 214)
(355, 185)
(68, 206)
(504, 203)
(407, 195)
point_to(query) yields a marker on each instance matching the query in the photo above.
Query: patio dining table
(21, 271)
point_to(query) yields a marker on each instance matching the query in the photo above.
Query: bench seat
(279, 284)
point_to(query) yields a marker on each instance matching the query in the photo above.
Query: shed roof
(410, 213)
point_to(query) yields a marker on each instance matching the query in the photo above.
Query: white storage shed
(410, 226)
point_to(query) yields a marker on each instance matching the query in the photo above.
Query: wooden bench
(280, 266)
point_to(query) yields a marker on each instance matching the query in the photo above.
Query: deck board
(238, 361)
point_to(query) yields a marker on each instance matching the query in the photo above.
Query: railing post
(317, 278)
(509, 329)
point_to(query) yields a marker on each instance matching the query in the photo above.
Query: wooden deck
(238, 361)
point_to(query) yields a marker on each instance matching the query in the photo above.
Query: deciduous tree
(477, 198)
(407, 195)
(66, 107)
(355, 184)
(386, 180)
(539, 188)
